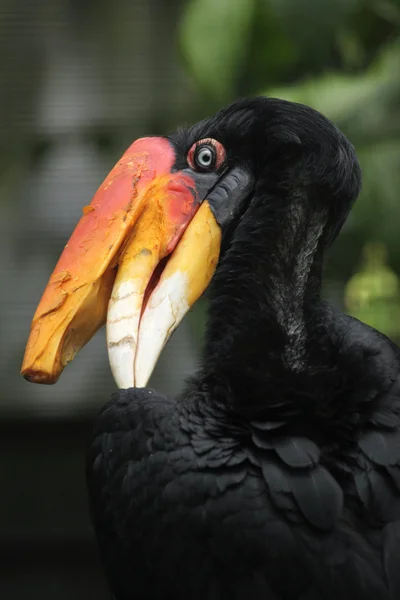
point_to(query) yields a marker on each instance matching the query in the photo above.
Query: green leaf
(313, 24)
(272, 55)
(214, 37)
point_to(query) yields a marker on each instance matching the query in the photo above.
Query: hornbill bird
(275, 473)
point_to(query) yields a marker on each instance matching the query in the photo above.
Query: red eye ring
(216, 157)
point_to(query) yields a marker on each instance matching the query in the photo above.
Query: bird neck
(264, 298)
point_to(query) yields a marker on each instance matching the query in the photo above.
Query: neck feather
(264, 294)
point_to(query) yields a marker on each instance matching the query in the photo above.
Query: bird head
(150, 241)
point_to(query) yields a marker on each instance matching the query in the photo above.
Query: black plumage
(275, 474)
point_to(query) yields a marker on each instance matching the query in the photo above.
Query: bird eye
(206, 155)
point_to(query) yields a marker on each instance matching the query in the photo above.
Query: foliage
(373, 294)
(216, 46)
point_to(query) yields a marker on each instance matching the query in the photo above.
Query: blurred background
(79, 81)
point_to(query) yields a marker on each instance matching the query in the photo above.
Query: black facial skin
(226, 194)
(227, 190)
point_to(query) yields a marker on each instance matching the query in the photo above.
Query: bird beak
(143, 252)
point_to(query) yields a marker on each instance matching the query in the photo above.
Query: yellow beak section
(141, 255)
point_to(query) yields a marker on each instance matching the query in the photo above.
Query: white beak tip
(121, 358)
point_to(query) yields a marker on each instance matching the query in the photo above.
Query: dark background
(79, 81)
